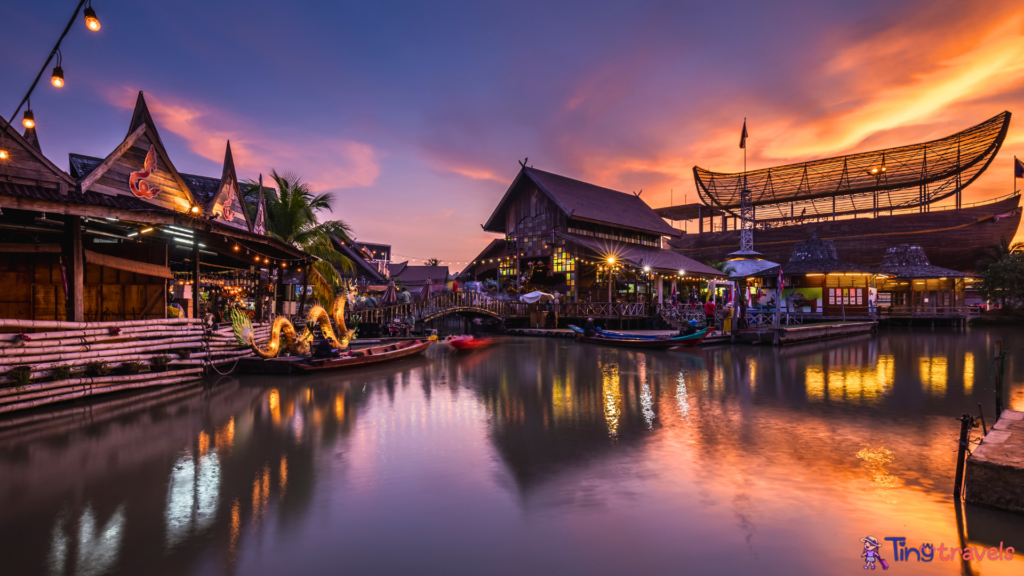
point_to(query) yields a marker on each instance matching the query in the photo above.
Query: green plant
(133, 367)
(159, 363)
(98, 368)
(22, 375)
(60, 372)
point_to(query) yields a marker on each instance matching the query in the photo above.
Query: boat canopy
(881, 180)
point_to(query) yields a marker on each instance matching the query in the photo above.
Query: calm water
(537, 456)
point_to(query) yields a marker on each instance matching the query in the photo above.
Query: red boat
(468, 342)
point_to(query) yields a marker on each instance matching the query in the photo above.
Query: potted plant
(97, 368)
(60, 372)
(132, 367)
(159, 363)
(22, 375)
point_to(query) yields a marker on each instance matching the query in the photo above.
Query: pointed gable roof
(32, 137)
(228, 204)
(141, 168)
(142, 116)
(259, 223)
(28, 164)
(584, 201)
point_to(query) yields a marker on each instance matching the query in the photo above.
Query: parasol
(424, 294)
(390, 295)
(536, 296)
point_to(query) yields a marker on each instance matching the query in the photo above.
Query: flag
(1018, 168)
(782, 281)
(743, 136)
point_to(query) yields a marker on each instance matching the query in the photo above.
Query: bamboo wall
(60, 361)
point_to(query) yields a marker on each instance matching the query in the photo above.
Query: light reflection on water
(726, 461)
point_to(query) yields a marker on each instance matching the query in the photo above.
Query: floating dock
(995, 469)
(807, 332)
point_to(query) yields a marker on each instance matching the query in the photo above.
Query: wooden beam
(100, 170)
(75, 270)
(128, 265)
(34, 205)
(30, 248)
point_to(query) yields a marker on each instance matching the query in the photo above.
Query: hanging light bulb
(4, 155)
(91, 21)
(29, 121)
(58, 77)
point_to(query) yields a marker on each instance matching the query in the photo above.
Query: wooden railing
(904, 311)
(451, 303)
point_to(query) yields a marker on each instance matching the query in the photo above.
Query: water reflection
(396, 469)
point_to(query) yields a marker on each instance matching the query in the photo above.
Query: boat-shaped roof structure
(881, 180)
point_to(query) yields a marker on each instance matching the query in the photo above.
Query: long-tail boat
(364, 356)
(640, 340)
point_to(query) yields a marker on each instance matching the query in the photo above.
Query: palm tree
(995, 252)
(723, 266)
(432, 262)
(292, 218)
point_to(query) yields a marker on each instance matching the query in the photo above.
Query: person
(589, 330)
(688, 328)
(323, 349)
(709, 311)
(404, 297)
(549, 319)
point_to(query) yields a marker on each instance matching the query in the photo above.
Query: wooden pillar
(279, 291)
(661, 290)
(724, 222)
(75, 308)
(700, 221)
(195, 276)
(305, 286)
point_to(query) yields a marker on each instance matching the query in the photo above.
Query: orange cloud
(326, 163)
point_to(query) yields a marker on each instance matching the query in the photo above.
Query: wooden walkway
(995, 469)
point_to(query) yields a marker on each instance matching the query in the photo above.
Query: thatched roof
(906, 261)
(814, 256)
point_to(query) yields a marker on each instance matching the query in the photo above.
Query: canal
(535, 456)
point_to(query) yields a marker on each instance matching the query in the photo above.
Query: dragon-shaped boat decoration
(297, 344)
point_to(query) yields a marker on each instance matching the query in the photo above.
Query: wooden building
(914, 288)
(585, 241)
(103, 242)
(864, 203)
(818, 282)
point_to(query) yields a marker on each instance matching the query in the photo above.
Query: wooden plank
(128, 265)
(29, 173)
(29, 248)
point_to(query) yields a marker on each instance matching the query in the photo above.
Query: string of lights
(92, 22)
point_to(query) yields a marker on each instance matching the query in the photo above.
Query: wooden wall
(31, 286)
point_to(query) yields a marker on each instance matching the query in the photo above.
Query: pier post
(966, 420)
(997, 365)
(75, 269)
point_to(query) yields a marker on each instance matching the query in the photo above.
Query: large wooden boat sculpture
(863, 202)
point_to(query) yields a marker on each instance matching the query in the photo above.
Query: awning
(636, 255)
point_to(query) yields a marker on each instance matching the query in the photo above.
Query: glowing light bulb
(91, 21)
(57, 79)
(29, 121)
(4, 155)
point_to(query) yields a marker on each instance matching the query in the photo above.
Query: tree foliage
(432, 262)
(293, 212)
(1003, 281)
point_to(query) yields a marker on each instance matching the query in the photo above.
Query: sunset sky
(415, 113)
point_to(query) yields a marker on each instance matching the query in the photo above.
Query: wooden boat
(468, 342)
(655, 343)
(629, 336)
(364, 356)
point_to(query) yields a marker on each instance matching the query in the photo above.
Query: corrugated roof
(89, 198)
(638, 255)
(588, 202)
(413, 275)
